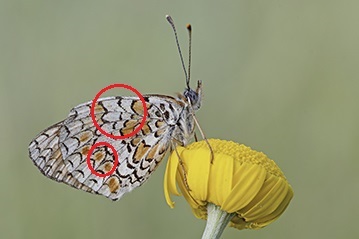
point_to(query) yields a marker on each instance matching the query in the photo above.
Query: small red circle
(136, 130)
(93, 171)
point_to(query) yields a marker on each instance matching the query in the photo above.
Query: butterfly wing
(45, 152)
(60, 151)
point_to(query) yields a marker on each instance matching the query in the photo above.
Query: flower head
(239, 180)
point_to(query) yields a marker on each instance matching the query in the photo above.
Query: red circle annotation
(93, 171)
(128, 87)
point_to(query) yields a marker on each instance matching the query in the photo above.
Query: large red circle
(93, 171)
(136, 130)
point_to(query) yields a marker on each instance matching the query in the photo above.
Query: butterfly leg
(203, 136)
(195, 137)
(184, 173)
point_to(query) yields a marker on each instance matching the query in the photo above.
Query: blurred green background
(279, 76)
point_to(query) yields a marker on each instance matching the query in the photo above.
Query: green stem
(217, 221)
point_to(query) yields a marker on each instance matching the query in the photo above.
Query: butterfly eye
(193, 97)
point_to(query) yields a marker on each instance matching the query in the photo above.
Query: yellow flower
(240, 181)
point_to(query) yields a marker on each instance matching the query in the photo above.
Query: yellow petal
(170, 177)
(197, 164)
(264, 221)
(195, 204)
(220, 179)
(267, 200)
(249, 179)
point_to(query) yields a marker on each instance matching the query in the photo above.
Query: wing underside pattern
(60, 151)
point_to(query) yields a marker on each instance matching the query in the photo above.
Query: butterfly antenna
(189, 29)
(171, 22)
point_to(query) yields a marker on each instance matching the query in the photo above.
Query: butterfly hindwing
(45, 152)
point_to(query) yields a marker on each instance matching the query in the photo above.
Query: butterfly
(60, 151)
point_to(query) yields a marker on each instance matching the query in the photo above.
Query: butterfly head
(194, 97)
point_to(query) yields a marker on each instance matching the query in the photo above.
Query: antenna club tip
(189, 27)
(169, 18)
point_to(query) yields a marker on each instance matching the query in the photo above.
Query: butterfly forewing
(60, 151)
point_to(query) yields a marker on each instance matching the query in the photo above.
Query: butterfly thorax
(191, 99)
(184, 128)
